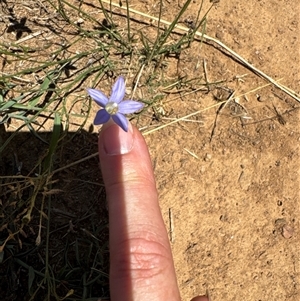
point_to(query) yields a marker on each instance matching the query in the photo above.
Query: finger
(141, 264)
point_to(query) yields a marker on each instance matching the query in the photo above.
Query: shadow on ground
(53, 228)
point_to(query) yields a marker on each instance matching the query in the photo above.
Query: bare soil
(233, 211)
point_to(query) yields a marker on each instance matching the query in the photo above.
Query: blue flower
(114, 106)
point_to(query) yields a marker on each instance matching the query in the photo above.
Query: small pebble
(79, 21)
(287, 231)
(207, 157)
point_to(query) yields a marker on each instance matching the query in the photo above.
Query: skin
(141, 262)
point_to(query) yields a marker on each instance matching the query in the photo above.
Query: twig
(206, 74)
(76, 162)
(221, 107)
(35, 34)
(171, 225)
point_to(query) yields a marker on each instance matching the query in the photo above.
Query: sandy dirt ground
(233, 209)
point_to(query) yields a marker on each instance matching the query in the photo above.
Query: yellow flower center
(111, 108)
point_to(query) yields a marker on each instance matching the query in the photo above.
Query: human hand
(141, 263)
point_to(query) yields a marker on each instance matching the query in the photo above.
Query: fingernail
(116, 141)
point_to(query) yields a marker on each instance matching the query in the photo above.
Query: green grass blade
(161, 39)
(31, 276)
(53, 142)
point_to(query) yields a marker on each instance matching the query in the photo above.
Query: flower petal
(121, 121)
(101, 117)
(130, 106)
(118, 90)
(98, 96)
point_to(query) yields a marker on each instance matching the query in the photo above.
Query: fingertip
(115, 141)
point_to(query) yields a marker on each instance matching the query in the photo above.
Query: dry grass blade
(183, 118)
(206, 38)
